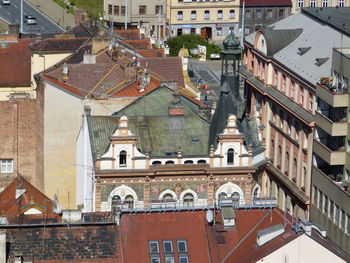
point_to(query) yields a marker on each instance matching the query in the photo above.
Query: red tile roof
(17, 69)
(128, 33)
(11, 206)
(262, 3)
(152, 53)
(134, 89)
(205, 243)
(138, 43)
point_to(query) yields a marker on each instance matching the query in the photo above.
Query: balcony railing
(331, 127)
(327, 83)
(334, 96)
(191, 205)
(332, 157)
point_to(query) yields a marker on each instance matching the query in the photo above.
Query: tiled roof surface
(16, 70)
(128, 33)
(58, 44)
(205, 243)
(152, 53)
(12, 206)
(139, 43)
(249, 3)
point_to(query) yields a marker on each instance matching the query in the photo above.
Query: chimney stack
(65, 71)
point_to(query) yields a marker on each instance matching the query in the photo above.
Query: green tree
(190, 41)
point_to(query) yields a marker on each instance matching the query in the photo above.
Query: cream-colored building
(298, 4)
(211, 19)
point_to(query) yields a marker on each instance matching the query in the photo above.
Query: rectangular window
(122, 10)
(325, 205)
(142, 9)
(281, 13)
(320, 199)
(219, 31)
(258, 13)
(6, 166)
(183, 259)
(155, 260)
(153, 247)
(269, 13)
(159, 9)
(247, 14)
(311, 103)
(168, 246)
(179, 15)
(300, 3)
(246, 30)
(232, 14)
(348, 224)
(341, 3)
(331, 210)
(110, 8)
(312, 3)
(206, 14)
(314, 191)
(116, 10)
(336, 215)
(181, 246)
(342, 219)
(193, 15)
(325, 3)
(169, 260)
(220, 14)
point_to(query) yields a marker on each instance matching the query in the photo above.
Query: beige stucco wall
(6, 91)
(62, 121)
(331, 3)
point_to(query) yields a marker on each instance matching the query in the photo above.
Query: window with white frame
(258, 13)
(168, 246)
(342, 219)
(314, 195)
(180, 15)
(312, 3)
(232, 14)
(122, 159)
(153, 247)
(181, 246)
(300, 3)
(6, 166)
(155, 259)
(325, 205)
(269, 13)
(320, 199)
(220, 14)
(206, 14)
(169, 259)
(331, 210)
(247, 30)
(183, 259)
(193, 15)
(325, 3)
(336, 215)
(219, 31)
(341, 3)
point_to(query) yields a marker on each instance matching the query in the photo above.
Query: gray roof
(322, 38)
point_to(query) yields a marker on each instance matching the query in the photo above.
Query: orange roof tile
(144, 43)
(128, 33)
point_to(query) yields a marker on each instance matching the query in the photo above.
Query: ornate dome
(231, 42)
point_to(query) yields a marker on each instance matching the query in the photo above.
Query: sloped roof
(320, 36)
(230, 103)
(17, 69)
(251, 3)
(128, 33)
(144, 43)
(11, 206)
(58, 44)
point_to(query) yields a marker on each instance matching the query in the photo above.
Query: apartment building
(330, 205)
(211, 19)
(287, 68)
(258, 14)
(298, 4)
(148, 16)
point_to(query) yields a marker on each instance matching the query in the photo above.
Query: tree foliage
(190, 41)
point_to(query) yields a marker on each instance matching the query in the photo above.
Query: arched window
(169, 162)
(115, 202)
(156, 163)
(222, 195)
(188, 162)
(255, 193)
(295, 170)
(235, 198)
(230, 156)
(272, 154)
(188, 200)
(286, 164)
(168, 197)
(201, 161)
(129, 201)
(122, 159)
(279, 157)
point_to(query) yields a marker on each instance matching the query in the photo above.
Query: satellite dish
(210, 217)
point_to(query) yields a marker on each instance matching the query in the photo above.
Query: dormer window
(230, 156)
(122, 159)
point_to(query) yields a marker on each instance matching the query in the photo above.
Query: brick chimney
(130, 72)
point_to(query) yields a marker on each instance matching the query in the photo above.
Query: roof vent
(89, 58)
(65, 71)
(302, 50)
(320, 61)
(267, 234)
